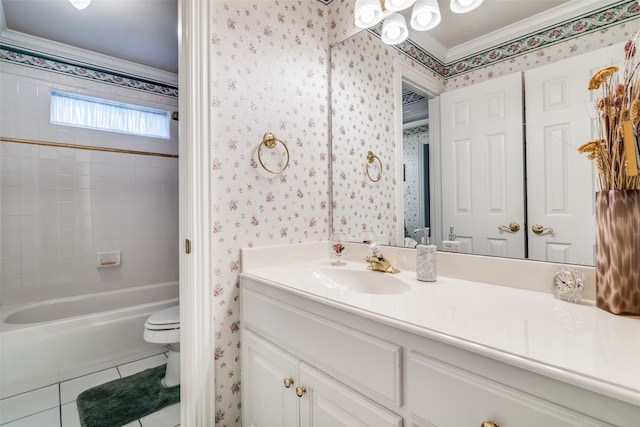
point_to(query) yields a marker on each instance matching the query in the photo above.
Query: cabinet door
(442, 395)
(266, 400)
(328, 403)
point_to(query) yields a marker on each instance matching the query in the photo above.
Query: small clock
(568, 284)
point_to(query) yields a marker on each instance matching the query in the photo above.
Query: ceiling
(456, 30)
(146, 31)
(141, 31)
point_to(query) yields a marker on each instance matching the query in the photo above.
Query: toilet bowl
(163, 327)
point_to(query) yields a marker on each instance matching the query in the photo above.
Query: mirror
(366, 116)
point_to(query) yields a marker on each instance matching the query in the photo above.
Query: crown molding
(70, 54)
(519, 29)
(436, 48)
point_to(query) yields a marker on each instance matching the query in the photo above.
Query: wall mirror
(369, 81)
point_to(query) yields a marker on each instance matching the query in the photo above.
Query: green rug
(121, 401)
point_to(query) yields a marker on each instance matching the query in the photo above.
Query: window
(95, 113)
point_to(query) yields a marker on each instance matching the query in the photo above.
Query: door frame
(433, 88)
(197, 330)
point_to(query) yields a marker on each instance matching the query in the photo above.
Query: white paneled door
(482, 166)
(561, 183)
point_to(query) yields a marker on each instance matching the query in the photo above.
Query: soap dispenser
(451, 245)
(427, 258)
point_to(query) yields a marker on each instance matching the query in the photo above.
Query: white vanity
(321, 348)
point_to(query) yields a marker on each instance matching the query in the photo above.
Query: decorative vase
(618, 251)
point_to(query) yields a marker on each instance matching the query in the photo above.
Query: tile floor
(55, 405)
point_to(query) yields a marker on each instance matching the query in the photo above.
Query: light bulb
(80, 4)
(425, 15)
(424, 18)
(368, 13)
(368, 17)
(398, 5)
(394, 29)
(464, 6)
(393, 33)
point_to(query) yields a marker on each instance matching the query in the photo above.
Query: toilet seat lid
(167, 317)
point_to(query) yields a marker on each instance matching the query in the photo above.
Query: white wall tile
(69, 203)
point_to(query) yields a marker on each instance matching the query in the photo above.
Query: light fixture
(398, 5)
(424, 16)
(368, 13)
(464, 6)
(394, 29)
(80, 4)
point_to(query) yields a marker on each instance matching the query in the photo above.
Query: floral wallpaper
(362, 120)
(269, 73)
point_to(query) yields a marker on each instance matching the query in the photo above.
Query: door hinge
(187, 246)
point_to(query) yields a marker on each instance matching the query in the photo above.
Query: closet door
(561, 183)
(483, 166)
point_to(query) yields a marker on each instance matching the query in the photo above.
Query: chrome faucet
(377, 261)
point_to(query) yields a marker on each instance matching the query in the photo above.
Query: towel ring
(370, 159)
(269, 140)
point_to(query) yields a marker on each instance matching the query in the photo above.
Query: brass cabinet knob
(514, 227)
(288, 382)
(489, 424)
(300, 391)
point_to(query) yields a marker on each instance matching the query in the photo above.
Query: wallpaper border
(58, 65)
(590, 22)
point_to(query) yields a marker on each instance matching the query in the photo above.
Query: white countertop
(576, 343)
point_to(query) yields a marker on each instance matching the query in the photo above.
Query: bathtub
(47, 342)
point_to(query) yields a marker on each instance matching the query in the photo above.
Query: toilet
(163, 327)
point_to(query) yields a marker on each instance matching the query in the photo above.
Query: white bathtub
(48, 342)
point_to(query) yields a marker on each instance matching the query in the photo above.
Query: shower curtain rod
(85, 147)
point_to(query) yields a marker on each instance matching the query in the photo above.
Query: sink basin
(360, 281)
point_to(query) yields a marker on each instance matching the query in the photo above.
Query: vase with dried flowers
(617, 157)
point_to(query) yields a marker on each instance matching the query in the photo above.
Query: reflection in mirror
(415, 157)
(365, 116)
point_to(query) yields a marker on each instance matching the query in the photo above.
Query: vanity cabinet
(282, 390)
(352, 368)
(445, 395)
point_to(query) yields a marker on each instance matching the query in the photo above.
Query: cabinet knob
(300, 391)
(489, 424)
(288, 382)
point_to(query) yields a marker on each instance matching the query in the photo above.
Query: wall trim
(35, 52)
(85, 147)
(197, 332)
(585, 23)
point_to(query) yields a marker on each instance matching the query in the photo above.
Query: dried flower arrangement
(616, 151)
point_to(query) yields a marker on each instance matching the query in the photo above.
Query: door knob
(514, 227)
(489, 424)
(288, 382)
(300, 391)
(540, 229)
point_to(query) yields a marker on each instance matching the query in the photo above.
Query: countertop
(575, 343)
